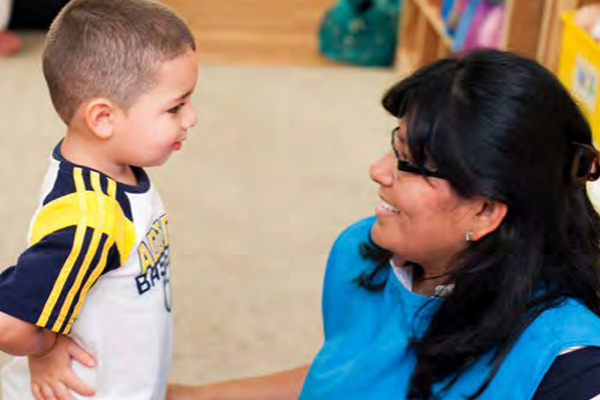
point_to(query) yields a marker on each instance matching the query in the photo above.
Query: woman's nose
(381, 171)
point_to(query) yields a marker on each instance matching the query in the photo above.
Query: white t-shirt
(110, 290)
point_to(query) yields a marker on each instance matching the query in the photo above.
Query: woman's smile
(385, 208)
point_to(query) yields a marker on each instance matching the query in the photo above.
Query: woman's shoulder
(570, 319)
(570, 323)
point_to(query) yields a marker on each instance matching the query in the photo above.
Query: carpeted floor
(276, 167)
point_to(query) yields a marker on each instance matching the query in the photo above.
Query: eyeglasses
(585, 165)
(407, 166)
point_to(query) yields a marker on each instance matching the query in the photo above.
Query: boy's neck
(88, 152)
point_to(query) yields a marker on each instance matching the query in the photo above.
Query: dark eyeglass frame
(407, 166)
(585, 165)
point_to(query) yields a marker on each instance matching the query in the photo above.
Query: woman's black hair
(500, 126)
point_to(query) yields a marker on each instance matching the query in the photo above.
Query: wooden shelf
(431, 12)
(255, 31)
(423, 37)
(531, 28)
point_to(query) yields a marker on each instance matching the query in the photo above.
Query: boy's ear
(100, 117)
(488, 218)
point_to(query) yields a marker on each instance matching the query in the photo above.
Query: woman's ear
(100, 117)
(488, 218)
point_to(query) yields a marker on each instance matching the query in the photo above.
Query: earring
(469, 235)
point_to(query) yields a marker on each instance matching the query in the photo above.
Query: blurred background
(289, 122)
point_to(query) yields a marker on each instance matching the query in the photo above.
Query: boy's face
(157, 122)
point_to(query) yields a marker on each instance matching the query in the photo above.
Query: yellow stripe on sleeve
(91, 251)
(64, 212)
(112, 207)
(74, 254)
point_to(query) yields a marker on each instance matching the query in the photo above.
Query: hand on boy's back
(52, 377)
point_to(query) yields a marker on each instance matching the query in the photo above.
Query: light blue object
(464, 24)
(447, 6)
(362, 32)
(366, 352)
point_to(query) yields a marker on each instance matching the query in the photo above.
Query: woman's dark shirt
(572, 376)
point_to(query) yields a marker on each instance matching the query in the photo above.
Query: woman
(481, 266)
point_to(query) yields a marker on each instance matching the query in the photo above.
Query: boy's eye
(175, 109)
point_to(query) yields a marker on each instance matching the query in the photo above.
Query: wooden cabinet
(531, 28)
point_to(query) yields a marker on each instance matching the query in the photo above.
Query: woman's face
(419, 219)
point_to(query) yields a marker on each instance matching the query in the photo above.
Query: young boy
(120, 74)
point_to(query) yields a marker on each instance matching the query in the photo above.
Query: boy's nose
(191, 119)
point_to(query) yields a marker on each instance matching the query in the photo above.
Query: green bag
(362, 32)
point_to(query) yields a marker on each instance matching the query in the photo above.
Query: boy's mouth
(177, 146)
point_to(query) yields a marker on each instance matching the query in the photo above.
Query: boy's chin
(153, 163)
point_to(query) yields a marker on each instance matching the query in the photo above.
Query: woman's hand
(52, 377)
(181, 392)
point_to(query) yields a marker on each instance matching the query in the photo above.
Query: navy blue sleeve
(49, 283)
(572, 376)
(81, 231)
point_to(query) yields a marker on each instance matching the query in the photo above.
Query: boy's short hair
(111, 49)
